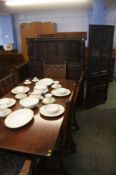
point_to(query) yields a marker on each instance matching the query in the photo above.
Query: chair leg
(61, 161)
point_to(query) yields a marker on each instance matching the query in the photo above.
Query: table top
(40, 135)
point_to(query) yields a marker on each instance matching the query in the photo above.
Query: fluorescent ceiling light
(34, 2)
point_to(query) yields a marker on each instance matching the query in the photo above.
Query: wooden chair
(8, 82)
(55, 71)
(26, 168)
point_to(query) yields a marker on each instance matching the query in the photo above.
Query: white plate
(9, 102)
(29, 102)
(5, 112)
(20, 96)
(55, 93)
(46, 81)
(19, 118)
(46, 101)
(20, 89)
(54, 86)
(45, 113)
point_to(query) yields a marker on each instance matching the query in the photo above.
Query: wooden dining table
(37, 138)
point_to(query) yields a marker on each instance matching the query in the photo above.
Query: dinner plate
(7, 102)
(19, 118)
(20, 89)
(46, 81)
(5, 112)
(47, 101)
(55, 93)
(44, 112)
(29, 102)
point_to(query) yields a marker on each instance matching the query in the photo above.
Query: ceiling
(54, 6)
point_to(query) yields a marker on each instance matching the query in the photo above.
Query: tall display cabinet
(32, 30)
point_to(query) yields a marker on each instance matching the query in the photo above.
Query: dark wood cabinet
(52, 50)
(99, 64)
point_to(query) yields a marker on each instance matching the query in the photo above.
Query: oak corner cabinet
(52, 51)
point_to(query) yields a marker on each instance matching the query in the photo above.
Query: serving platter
(19, 118)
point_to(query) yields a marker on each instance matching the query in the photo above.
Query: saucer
(55, 114)
(5, 112)
(20, 96)
(46, 101)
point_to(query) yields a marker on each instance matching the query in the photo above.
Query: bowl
(51, 108)
(20, 89)
(29, 102)
(61, 90)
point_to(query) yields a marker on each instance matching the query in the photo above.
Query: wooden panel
(48, 28)
(57, 51)
(55, 71)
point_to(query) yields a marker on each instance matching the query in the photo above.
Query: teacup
(48, 97)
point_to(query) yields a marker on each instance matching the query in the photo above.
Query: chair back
(56, 71)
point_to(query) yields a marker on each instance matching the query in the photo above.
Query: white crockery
(51, 108)
(46, 81)
(4, 101)
(20, 89)
(53, 114)
(7, 102)
(29, 102)
(56, 93)
(20, 96)
(5, 112)
(19, 118)
(61, 90)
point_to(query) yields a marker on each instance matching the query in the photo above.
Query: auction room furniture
(9, 61)
(56, 51)
(43, 130)
(99, 63)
